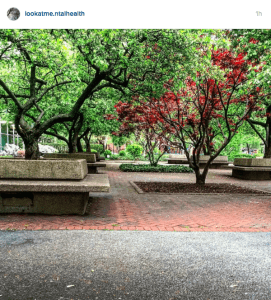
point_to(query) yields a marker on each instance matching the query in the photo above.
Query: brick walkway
(124, 209)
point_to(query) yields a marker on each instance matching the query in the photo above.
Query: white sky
(141, 14)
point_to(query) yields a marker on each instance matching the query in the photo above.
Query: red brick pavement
(125, 209)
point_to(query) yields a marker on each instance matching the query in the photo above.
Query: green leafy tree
(256, 43)
(134, 150)
(41, 69)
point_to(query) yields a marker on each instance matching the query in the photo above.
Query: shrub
(243, 155)
(122, 153)
(159, 168)
(127, 157)
(107, 152)
(93, 151)
(114, 156)
(156, 151)
(257, 155)
(134, 150)
(97, 147)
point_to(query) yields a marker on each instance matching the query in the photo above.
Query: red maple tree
(137, 118)
(205, 106)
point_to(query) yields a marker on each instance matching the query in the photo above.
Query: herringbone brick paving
(124, 209)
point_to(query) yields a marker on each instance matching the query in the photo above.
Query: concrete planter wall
(177, 156)
(48, 186)
(218, 162)
(90, 158)
(252, 168)
(43, 169)
(205, 158)
(252, 162)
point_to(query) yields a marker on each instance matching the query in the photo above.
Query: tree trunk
(267, 151)
(200, 179)
(88, 149)
(79, 145)
(248, 148)
(72, 147)
(205, 150)
(31, 148)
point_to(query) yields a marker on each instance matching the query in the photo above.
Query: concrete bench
(252, 168)
(48, 186)
(218, 163)
(92, 167)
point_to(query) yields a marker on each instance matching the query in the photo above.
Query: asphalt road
(134, 265)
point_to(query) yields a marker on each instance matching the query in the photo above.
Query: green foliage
(127, 157)
(97, 147)
(158, 168)
(119, 140)
(232, 156)
(122, 153)
(93, 151)
(107, 152)
(134, 150)
(156, 151)
(114, 157)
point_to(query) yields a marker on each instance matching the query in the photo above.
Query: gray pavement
(134, 265)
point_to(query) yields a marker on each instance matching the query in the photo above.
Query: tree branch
(11, 95)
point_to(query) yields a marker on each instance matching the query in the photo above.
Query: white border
(141, 14)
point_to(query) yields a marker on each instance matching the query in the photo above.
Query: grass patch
(158, 169)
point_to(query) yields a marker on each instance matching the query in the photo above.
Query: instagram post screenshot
(135, 150)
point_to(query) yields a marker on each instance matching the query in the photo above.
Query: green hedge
(243, 155)
(159, 168)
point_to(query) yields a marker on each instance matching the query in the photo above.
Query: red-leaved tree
(217, 99)
(137, 118)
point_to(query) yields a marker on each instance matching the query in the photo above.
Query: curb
(140, 191)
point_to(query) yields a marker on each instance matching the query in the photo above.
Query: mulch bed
(187, 188)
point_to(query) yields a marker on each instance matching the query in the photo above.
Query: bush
(93, 151)
(114, 156)
(127, 157)
(159, 168)
(257, 155)
(134, 150)
(122, 153)
(243, 155)
(107, 152)
(156, 151)
(97, 147)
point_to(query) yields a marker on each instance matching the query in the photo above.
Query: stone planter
(220, 158)
(47, 186)
(177, 156)
(218, 162)
(252, 168)
(90, 158)
(252, 162)
(43, 169)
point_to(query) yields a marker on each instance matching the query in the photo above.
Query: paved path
(79, 265)
(125, 209)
